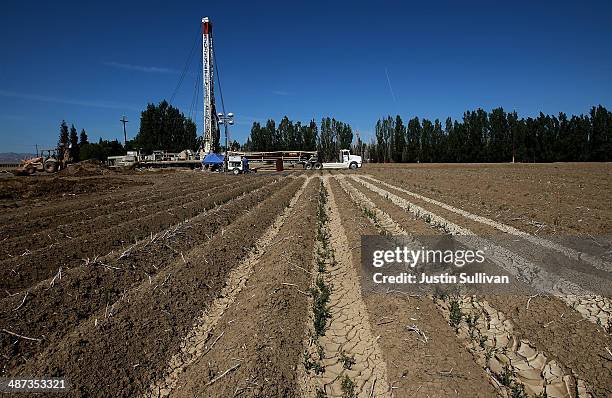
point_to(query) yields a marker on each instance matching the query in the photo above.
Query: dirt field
(183, 284)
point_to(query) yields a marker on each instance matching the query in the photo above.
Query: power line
(195, 96)
(220, 90)
(219, 81)
(186, 67)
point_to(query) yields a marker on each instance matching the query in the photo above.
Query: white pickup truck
(347, 161)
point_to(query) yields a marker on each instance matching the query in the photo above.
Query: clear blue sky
(91, 62)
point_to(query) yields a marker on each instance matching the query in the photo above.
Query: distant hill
(14, 157)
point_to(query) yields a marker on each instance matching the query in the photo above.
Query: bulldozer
(48, 161)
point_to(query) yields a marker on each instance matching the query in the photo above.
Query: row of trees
(70, 140)
(161, 127)
(495, 136)
(79, 147)
(165, 127)
(290, 135)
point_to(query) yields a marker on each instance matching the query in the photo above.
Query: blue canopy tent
(213, 159)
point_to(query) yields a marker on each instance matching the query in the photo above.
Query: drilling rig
(210, 135)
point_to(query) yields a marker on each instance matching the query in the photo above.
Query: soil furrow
(253, 299)
(46, 230)
(564, 335)
(396, 318)
(139, 335)
(516, 364)
(521, 268)
(131, 187)
(348, 351)
(559, 198)
(83, 290)
(595, 308)
(23, 271)
(545, 243)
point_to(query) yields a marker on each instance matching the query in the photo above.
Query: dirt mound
(86, 168)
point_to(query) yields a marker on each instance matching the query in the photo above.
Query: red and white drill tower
(211, 124)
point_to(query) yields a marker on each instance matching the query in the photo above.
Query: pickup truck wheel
(353, 166)
(236, 171)
(318, 166)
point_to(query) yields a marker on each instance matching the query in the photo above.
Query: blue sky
(91, 62)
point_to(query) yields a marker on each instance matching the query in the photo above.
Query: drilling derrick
(210, 133)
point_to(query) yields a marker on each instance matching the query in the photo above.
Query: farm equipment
(308, 159)
(47, 161)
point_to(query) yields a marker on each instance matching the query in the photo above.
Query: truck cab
(351, 161)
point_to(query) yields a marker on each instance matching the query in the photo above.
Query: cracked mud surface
(350, 351)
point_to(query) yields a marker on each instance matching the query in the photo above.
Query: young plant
(455, 314)
(347, 362)
(315, 366)
(505, 376)
(471, 320)
(518, 391)
(348, 387)
(320, 300)
(321, 393)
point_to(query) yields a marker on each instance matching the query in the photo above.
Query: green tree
(427, 150)
(500, 142)
(327, 141)
(101, 150)
(164, 127)
(413, 140)
(74, 143)
(310, 136)
(399, 139)
(256, 141)
(269, 136)
(83, 138)
(344, 134)
(601, 135)
(64, 138)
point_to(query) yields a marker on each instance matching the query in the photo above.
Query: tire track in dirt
(85, 289)
(196, 343)
(47, 230)
(137, 339)
(348, 351)
(545, 243)
(514, 363)
(23, 271)
(398, 318)
(595, 308)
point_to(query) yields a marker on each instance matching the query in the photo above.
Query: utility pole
(124, 121)
(226, 120)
